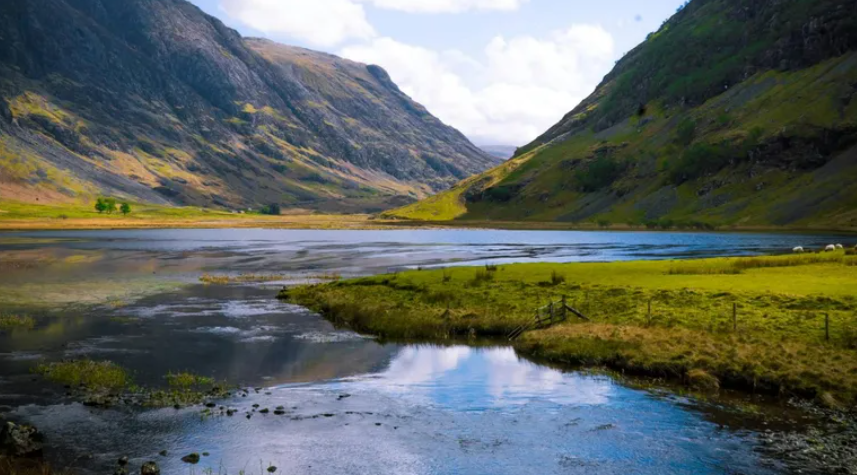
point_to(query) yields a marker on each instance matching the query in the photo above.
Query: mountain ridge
(731, 114)
(157, 101)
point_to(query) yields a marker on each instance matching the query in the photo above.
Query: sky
(500, 71)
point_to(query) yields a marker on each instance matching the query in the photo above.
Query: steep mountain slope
(736, 112)
(154, 100)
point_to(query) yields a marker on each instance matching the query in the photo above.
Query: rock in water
(191, 458)
(20, 440)
(150, 468)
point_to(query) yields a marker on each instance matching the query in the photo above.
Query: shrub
(272, 209)
(598, 174)
(482, 277)
(685, 133)
(125, 209)
(698, 160)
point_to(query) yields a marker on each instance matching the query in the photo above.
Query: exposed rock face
(155, 100)
(20, 440)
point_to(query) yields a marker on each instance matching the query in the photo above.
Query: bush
(272, 209)
(125, 209)
(685, 133)
(598, 174)
(697, 161)
(105, 205)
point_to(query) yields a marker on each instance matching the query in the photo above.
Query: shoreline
(777, 343)
(366, 223)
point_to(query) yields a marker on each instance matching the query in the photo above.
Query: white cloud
(318, 22)
(328, 23)
(446, 6)
(521, 86)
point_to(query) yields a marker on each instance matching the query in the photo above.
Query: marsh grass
(734, 266)
(188, 381)
(106, 383)
(16, 322)
(776, 343)
(94, 375)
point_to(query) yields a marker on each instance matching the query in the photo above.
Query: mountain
(156, 101)
(734, 113)
(500, 151)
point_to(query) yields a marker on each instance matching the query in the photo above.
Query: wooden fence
(547, 316)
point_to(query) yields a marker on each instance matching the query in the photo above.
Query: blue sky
(501, 71)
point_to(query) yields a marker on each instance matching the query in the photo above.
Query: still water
(354, 404)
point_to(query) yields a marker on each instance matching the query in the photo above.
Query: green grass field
(780, 305)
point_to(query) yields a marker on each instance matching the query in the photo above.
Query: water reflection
(461, 378)
(430, 411)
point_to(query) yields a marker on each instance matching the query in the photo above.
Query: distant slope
(500, 151)
(156, 101)
(736, 112)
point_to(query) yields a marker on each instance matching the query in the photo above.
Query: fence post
(551, 311)
(564, 309)
(826, 327)
(649, 316)
(734, 316)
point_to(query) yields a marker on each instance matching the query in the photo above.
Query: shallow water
(411, 408)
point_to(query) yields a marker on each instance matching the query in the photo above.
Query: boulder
(150, 468)
(20, 440)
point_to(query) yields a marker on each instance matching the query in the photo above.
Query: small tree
(125, 208)
(110, 204)
(100, 205)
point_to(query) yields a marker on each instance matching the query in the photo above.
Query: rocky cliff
(735, 112)
(155, 100)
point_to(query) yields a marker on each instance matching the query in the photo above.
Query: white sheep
(830, 248)
(798, 250)
(840, 247)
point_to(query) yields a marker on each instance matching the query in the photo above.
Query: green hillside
(734, 113)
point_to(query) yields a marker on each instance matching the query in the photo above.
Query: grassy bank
(26, 216)
(751, 323)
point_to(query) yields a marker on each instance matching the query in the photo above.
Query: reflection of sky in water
(480, 379)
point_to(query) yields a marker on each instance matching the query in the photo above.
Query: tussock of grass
(96, 375)
(187, 381)
(16, 322)
(779, 344)
(105, 383)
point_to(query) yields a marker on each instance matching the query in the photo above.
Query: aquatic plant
(95, 375)
(16, 322)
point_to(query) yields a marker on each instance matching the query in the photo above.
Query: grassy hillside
(702, 125)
